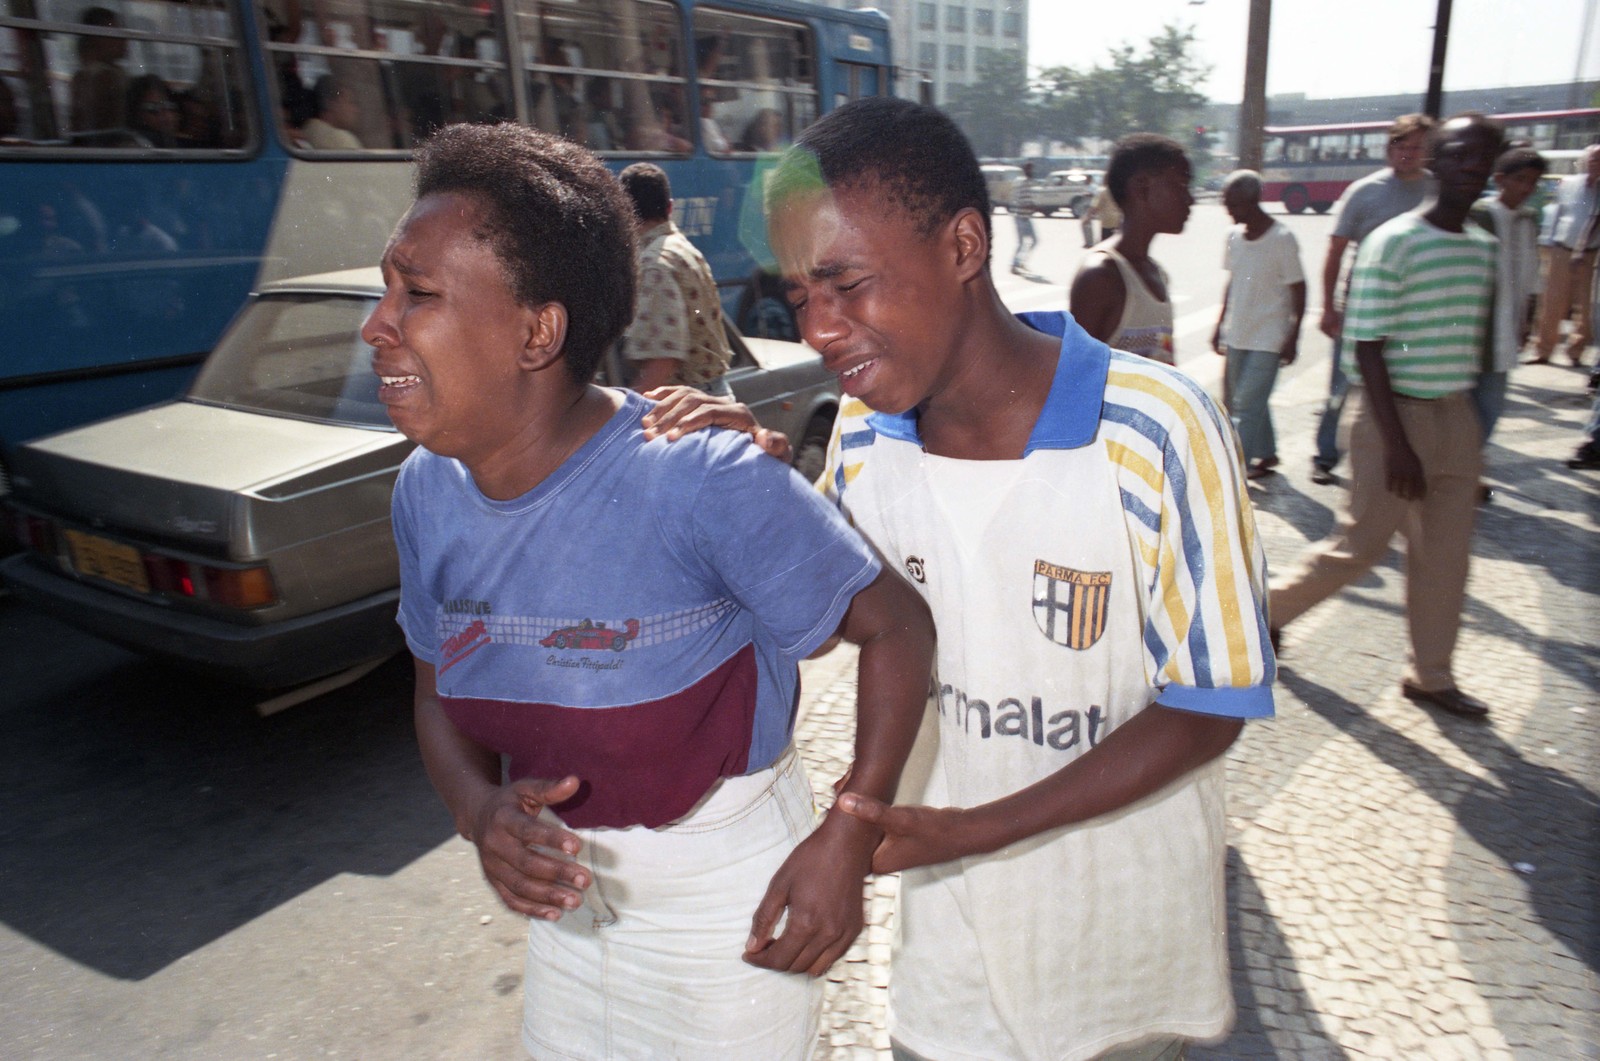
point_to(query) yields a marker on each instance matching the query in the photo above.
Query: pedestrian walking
(607, 631)
(1366, 204)
(1515, 226)
(1102, 209)
(1418, 315)
(1120, 294)
(1022, 210)
(1056, 502)
(677, 335)
(1569, 257)
(1259, 326)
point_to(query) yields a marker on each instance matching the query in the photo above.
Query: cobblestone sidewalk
(1401, 884)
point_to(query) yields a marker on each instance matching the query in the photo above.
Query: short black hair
(914, 152)
(1520, 158)
(555, 218)
(1474, 120)
(1139, 153)
(647, 185)
(324, 92)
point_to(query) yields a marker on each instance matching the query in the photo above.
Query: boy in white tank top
(1121, 294)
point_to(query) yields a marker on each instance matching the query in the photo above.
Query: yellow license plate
(105, 559)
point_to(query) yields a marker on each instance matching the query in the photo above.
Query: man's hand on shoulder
(681, 411)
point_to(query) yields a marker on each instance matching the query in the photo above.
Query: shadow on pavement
(1574, 659)
(149, 813)
(1312, 517)
(1254, 943)
(1526, 813)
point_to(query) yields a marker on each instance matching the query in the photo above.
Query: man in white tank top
(1120, 295)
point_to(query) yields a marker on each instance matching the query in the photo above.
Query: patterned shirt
(1114, 565)
(678, 312)
(1427, 292)
(1184, 512)
(636, 619)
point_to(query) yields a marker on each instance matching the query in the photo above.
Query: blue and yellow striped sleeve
(851, 437)
(1180, 475)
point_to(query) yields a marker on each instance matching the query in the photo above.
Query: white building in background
(944, 42)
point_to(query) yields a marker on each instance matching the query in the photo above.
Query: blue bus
(160, 158)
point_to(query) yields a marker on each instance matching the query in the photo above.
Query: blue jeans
(1489, 397)
(1025, 240)
(1328, 430)
(1251, 374)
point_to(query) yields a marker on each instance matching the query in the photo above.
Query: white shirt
(1260, 306)
(1516, 279)
(1064, 587)
(1574, 202)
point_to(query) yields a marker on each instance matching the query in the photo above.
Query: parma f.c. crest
(1070, 606)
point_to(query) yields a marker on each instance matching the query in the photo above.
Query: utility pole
(1253, 107)
(1441, 37)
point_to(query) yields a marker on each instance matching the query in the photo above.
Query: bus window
(378, 75)
(757, 80)
(122, 74)
(607, 74)
(863, 80)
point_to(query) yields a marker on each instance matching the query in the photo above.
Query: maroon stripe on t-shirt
(643, 764)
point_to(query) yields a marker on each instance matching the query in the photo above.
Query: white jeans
(650, 966)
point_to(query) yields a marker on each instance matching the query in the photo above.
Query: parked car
(1071, 190)
(1001, 181)
(243, 530)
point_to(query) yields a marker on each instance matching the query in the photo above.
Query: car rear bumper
(271, 656)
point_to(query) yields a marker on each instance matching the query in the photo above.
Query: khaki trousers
(1444, 433)
(1568, 285)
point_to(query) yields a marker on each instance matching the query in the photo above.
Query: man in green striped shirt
(1418, 316)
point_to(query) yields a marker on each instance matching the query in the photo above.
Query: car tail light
(247, 587)
(36, 533)
(164, 574)
(169, 575)
(232, 587)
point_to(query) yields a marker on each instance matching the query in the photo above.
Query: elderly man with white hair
(1259, 328)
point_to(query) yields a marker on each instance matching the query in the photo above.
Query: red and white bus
(1311, 165)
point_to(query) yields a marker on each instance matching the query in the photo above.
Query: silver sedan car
(243, 530)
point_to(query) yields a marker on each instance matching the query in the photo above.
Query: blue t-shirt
(635, 620)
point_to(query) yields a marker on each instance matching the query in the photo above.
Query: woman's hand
(512, 842)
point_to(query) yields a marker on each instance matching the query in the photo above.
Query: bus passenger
(763, 133)
(337, 115)
(152, 112)
(602, 130)
(9, 121)
(623, 618)
(99, 90)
